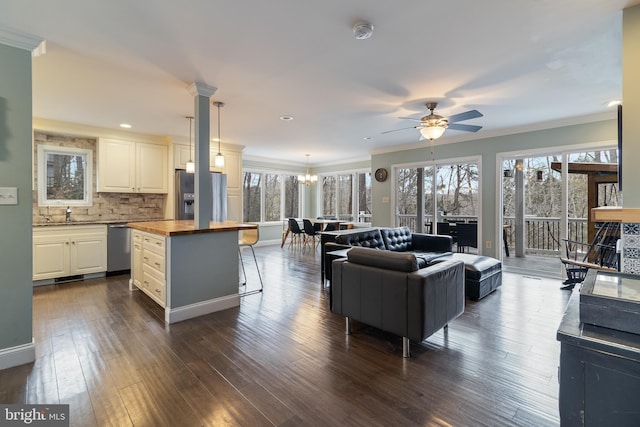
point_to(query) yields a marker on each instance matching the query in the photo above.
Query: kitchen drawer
(153, 260)
(153, 285)
(153, 243)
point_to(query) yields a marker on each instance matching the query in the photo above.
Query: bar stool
(249, 238)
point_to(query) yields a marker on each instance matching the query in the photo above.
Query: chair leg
(244, 273)
(255, 260)
(405, 347)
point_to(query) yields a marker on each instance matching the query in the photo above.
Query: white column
(202, 182)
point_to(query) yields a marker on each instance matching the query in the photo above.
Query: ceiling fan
(433, 126)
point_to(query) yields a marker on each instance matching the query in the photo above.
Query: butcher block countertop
(182, 227)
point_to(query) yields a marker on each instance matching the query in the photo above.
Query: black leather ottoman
(482, 274)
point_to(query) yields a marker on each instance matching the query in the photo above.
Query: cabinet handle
(146, 282)
(158, 264)
(146, 258)
(157, 291)
(66, 243)
(158, 243)
(73, 243)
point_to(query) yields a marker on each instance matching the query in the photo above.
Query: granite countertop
(183, 227)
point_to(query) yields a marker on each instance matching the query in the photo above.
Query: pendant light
(218, 162)
(307, 179)
(191, 166)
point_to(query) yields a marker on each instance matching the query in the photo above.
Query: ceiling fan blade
(410, 118)
(466, 128)
(467, 115)
(395, 130)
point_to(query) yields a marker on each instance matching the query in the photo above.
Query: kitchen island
(187, 270)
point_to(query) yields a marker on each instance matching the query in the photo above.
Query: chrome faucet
(67, 216)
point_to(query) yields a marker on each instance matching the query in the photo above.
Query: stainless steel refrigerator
(185, 196)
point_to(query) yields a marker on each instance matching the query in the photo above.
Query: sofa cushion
(478, 267)
(398, 261)
(369, 238)
(427, 258)
(397, 239)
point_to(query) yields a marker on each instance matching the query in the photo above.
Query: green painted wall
(603, 131)
(631, 107)
(15, 221)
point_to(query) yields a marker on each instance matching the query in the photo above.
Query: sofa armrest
(435, 297)
(431, 242)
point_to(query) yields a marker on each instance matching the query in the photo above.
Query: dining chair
(467, 235)
(310, 232)
(248, 238)
(296, 232)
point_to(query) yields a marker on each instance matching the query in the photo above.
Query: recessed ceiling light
(215, 139)
(614, 103)
(286, 118)
(368, 138)
(125, 125)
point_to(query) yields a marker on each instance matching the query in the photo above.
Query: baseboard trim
(18, 355)
(201, 308)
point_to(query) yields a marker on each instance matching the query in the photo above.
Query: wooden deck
(283, 359)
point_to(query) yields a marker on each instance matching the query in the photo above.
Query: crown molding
(20, 40)
(201, 89)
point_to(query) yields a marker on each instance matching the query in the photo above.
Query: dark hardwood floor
(283, 359)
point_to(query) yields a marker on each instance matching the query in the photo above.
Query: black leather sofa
(425, 247)
(390, 291)
(483, 275)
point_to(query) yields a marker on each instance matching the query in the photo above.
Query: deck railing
(542, 234)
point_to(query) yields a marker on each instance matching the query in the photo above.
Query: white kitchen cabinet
(136, 255)
(148, 265)
(132, 167)
(60, 251)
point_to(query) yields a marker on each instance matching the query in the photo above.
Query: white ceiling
(522, 63)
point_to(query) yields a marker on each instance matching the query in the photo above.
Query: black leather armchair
(388, 290)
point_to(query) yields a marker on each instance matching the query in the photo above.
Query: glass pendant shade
(432, 132)
(218, 161)
(190, 166)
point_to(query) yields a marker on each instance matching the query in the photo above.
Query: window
(64, 176)
(345, 194)
(446, 192)
(269, 197)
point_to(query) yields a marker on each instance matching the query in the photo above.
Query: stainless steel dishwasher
(118, 248)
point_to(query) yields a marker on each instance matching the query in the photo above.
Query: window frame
(283, 178)
(355, 208)
(42, 151)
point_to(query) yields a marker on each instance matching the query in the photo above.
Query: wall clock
(381, 175)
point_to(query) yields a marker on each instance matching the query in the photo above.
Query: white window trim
(336, 174)
(281, 173)
(42, 175)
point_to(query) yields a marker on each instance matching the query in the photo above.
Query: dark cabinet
(599, 373)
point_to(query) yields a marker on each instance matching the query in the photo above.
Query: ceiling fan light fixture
(432, 131)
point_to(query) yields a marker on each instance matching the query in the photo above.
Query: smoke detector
(362, 30)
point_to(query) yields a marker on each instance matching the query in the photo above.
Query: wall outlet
(385, 200)
(8, 195)
(488, 244)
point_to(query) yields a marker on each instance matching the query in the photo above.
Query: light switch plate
(8, 195)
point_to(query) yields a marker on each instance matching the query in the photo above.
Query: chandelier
(307, 178)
